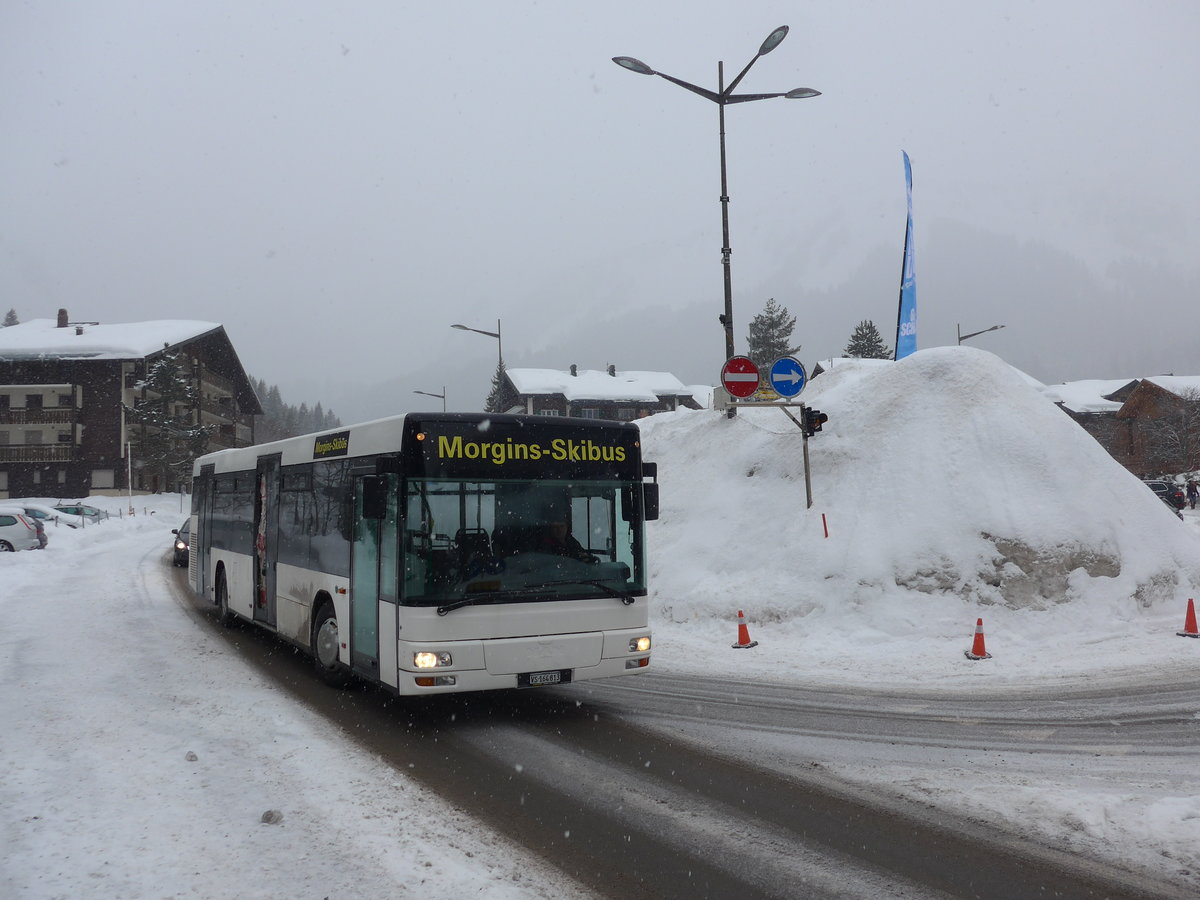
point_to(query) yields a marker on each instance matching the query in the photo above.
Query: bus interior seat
(472, 543)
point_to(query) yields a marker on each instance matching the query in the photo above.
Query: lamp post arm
(695, 89)
(729, 90)
(745, 98)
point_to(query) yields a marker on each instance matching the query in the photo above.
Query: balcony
(51, 415)
(35, 453)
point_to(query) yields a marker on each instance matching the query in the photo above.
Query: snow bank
(950, 488)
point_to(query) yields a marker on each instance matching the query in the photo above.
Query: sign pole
(807, 479)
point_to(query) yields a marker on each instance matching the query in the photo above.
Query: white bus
(434, 553)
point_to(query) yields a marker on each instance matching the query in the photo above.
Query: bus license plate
(539, 679)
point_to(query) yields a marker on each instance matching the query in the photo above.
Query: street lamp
(962, 337)
(495, 334)
(723, 97)
(441, 396)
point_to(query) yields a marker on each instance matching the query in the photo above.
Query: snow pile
(950, 488)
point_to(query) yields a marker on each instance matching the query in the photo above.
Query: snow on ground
(951, 489)
(140, 754)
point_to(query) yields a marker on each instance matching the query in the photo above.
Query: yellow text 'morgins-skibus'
(500, 452)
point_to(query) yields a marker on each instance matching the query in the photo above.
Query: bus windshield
(493, 541)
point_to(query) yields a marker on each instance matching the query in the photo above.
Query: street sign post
(739, 376)
(788, 377)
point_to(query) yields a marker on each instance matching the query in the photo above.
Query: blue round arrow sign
(788, 376)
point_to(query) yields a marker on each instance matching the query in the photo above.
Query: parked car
(1170, 493)
(17, 531)
(182, 543)
(49, 516)
(85, 512)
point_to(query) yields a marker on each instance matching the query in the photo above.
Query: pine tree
(866, 342)
(165, 437)
(10, 318)
(282, 420)
(771, 335)
(501, 397)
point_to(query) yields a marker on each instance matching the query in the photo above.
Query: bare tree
(1173, 438)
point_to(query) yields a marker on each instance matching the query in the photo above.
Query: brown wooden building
(1149, 425)
(64, 388)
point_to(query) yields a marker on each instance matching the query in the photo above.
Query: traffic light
(813, 420)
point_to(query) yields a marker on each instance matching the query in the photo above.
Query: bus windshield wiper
(471, 600)
(624, 596)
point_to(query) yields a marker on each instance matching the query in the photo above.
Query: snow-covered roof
(40, 338)
(1089, 396)
(589, 384)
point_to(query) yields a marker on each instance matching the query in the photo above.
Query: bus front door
(372, 567)
(266, 538)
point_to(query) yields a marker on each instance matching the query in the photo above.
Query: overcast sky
(338, 183)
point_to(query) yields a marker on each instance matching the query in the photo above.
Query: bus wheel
(224, 616)
(325, 647)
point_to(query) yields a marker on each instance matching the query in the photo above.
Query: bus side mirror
(650, 501)
(374, 498)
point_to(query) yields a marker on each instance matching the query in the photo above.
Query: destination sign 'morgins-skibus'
(506, 450)
(328, 445)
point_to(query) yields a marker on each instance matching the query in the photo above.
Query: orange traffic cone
(978, 650)
(1189, 622)
(744, 641)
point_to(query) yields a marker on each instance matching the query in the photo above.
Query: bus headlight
(640, 644)
(427, 660)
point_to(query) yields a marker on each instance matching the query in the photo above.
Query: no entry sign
(739, 376)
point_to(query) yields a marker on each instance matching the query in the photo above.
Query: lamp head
(633, 65)
(801, 94)
(774, 39)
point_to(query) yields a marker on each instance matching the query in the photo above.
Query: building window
(33, 437)
(589, 412)
(33, 401)
(64, 437)
(3, 481)
(103, 478)
(548, 412)
(62, 476)
(37, 476)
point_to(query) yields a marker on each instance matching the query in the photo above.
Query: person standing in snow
(1192, 491)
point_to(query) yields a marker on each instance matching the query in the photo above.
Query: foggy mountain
(966, 276)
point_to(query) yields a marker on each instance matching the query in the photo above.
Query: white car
(17, 531)
(51, 517)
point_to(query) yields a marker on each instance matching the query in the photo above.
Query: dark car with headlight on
(182, 544)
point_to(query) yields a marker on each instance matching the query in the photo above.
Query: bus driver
(557, 539)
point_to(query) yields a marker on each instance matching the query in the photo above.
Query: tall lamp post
(723, 96)
(441, 396)
(962, 337)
